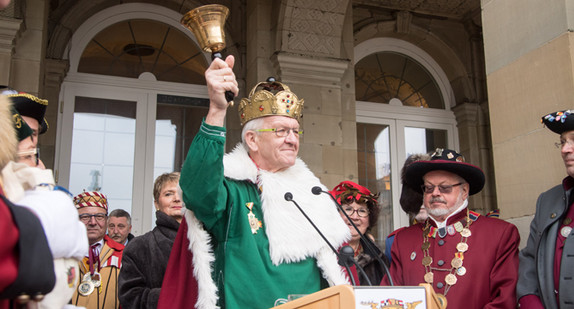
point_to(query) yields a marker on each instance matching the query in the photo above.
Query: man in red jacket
(470, 260)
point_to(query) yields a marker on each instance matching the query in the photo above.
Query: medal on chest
(456, 264)
(254, 223)
(89, 283)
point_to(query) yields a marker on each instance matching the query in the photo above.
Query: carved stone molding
(313, 27)
(9, 29)
(321, 72)
(55, 71)
(404, 20)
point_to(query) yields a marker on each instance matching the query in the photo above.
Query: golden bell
(207, 23)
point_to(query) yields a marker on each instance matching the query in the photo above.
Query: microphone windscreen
(288, 196)
(316, 190)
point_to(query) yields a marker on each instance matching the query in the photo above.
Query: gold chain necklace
(456, 262)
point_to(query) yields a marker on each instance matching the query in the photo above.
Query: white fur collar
(291, 237)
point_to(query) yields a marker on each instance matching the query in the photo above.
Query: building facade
(381, 79)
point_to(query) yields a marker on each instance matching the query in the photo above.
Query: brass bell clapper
(206, 23)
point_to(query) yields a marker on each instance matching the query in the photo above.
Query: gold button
(23, 299)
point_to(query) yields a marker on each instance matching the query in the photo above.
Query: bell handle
(228, 94)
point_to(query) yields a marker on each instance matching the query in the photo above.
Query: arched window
(131, 104)
(403, 107)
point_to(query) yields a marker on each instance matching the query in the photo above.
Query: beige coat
(106, 296)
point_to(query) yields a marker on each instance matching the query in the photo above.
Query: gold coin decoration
(427, 260)
(425, 245)
(567, 221)
(450, 279)
(458, 226)
(429, 277)
(456, 262)
(465, 232)
(462, 247)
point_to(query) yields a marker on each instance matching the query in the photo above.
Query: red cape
(179, 288)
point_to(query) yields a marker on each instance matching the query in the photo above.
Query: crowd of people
(244, 229)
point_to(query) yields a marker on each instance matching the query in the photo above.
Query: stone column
(9, 29)
(54, 73)
(474, 146)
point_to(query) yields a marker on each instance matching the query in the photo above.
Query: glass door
(117, 140)
(384, 143)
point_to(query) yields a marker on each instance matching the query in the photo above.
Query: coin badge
(456, 262)
(461, 271)
(465, 232)
(427, 260)
(86, 287)
(450, 279)
(429, 277)
(462, 247)
(450, 230)
(96, 279)
(567, 221)
(413, 256)
(565, 231)
(425, 245)
(458, 227)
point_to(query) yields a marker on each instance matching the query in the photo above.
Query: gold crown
(264, 103)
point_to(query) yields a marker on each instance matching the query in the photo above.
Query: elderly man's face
(95, 220)
(439, 204)
(567, 151)
(119, 229)
(271, 152)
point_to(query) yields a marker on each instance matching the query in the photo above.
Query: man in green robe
(264, 248)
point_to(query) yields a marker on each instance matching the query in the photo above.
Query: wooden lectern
(343, 297)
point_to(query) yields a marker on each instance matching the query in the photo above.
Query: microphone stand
(317, 190)
(345, 261)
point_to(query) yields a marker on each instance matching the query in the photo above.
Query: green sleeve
(202, 180)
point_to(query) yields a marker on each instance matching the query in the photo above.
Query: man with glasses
(100, 269)
(547, 261)
(470, 260)
(258, 237)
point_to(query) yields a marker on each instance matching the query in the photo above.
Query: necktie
(94, 258)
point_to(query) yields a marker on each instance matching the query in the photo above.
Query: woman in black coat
(145, 257)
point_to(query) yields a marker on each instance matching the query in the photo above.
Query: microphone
(343, 260)
(348, 256)
(369, 244)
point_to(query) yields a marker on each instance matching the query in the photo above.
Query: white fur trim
(200, 245)
(291, 237)
(238, 165)
(19, 177)
(332, 272)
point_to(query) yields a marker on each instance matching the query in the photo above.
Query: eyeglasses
(563, 142)
(87, 217)
(32, 155)
(445, 189)
(282, 132)
(361, 212)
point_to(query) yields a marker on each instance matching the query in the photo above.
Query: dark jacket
(144, 263)
(371, 265)
(537, 258)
